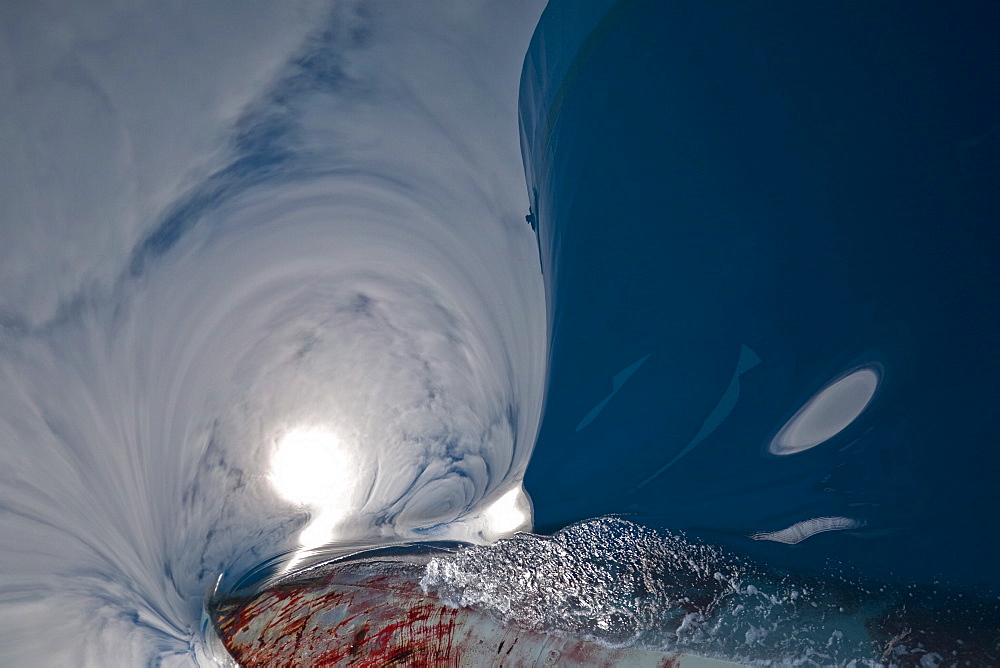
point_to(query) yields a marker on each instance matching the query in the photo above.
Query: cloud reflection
(338, 244)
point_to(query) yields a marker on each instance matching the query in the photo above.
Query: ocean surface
(702, 296)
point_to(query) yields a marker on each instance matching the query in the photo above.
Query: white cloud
(109, 111)
(251, 236)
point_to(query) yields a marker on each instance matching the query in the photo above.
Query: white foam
(621, 584)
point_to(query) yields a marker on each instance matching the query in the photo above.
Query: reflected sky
(266, 282)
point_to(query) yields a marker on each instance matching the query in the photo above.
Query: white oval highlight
(827, 413)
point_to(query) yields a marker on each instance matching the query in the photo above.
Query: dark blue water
(769, 238)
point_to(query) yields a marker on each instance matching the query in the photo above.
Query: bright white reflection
(326, 222)
(510, 513)
(828, 413)
(799, 531)
(311, 467)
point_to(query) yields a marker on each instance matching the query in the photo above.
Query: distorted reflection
(799, 531)
(828, 412)
(511, 512)
(311, 467)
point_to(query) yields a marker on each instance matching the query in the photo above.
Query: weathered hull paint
(373, 613)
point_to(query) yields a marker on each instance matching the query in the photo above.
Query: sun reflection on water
(311, 467)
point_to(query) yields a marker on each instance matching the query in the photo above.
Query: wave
(622, 584)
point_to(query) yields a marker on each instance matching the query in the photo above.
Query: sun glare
(509, 513)
(310, 466)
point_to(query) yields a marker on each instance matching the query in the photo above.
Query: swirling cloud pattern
(223, 225)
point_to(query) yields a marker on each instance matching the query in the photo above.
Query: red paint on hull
(373, 613)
